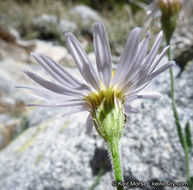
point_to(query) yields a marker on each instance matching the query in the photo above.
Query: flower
(101, 93)
(169, 11)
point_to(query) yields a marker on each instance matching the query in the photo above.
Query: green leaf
(191, 183)
(188, 136)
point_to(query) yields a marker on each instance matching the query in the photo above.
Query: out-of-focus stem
(177, 121)
(101, 171)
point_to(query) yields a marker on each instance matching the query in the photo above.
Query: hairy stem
(113, 144)
(178, 125)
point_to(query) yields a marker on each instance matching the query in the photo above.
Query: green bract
(107, 112)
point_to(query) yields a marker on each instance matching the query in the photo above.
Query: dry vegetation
(20, 15)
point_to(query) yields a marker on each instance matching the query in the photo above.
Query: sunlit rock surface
(86, 14)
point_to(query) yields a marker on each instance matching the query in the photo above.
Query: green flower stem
(109, 121)
(113, 144)
(172, 87)
(177, 121)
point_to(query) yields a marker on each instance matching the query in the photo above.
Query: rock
(4, 88)
(51, 27)
(7, 130)
(45, 160)
(9, 105)
(182, 47)
(54, 153)
(7, 34)
(47, 27)
(10, 75)
(57, 53)
(45, 23)
(67, 26)
(6, 105)
(11, 35)
(87, 15)
(9, 50)
(1, 140)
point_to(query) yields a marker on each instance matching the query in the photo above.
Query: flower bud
(170, 10)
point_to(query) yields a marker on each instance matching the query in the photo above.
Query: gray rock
(8, 128)
(6, 84)
(12, 50)
(46, 26)
(55, 153)
(56, 52)
(45, 21)
(1, 140)
(49, 25)
(67, 26)
(86, 14)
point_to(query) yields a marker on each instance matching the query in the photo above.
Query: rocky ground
(42, 151)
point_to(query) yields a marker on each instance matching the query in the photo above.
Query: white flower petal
(160, 70)
(66, 76)
(129, 109)
(143, 83)
(156, 62)
(153, 52)
(52, 86)
(71, 104)
(131, 98)
(56, 75)
(61, 75)
(127, 56)
(52, 100)
(76, 110)
(44, 93)
(82, 61)
(89, 124)
(140, 55)
(102, 53)
(37, 97)
(148, 96)
(143, 72)
(62, 72)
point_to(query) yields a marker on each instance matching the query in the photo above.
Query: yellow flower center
(106, 96)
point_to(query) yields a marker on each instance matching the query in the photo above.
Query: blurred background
(39, 150)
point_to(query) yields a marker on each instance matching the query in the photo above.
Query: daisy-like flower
(107, 98)
(101, 92)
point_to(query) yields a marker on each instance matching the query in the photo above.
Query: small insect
(125, 118)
